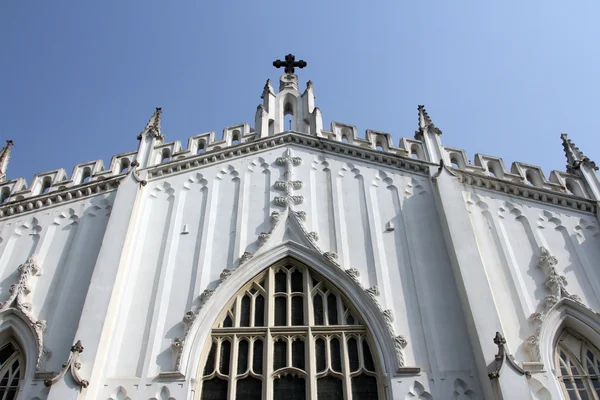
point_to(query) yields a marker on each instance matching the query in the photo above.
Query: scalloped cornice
(322, 144)
(525, 191)
(68, 194)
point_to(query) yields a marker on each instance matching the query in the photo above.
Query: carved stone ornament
(190, 317)
(556, 285)
(288, 185)
(17, 300)
(502, 354)
(74, 365)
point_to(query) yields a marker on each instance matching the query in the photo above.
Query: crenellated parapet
(574, 188)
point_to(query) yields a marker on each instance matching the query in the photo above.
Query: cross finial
(289, 63)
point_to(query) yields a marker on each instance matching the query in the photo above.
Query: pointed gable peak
(425, 122)
(153, 126)
(4, 156)
(575, 157)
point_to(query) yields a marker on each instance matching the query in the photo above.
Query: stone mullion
(237, 306)
(233, 359)
(288, 303)
(346, 368)
(311, 365)
(268, 342)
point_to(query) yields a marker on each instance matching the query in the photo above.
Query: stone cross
(289, 63)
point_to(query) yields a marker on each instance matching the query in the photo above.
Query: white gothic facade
(307, 263)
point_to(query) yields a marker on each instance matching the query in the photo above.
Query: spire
(153, 126)
(575, 158)
(425, 122)
(4, 156)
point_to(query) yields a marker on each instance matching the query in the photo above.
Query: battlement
(426, 147)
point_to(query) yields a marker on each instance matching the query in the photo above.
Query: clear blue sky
(79, 79)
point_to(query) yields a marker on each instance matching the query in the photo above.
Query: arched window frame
(14, 368)
(307, 333)
(579, 374)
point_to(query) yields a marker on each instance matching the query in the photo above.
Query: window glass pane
(249, 389)
(209, 367)
(280, 311)
(280, 282)
(6, 352)
(336, 359)
(259, 310)
(368, 359)
(298, 354)
(214, 389)
(353, 354)
(289, 387)
(225, 357)
(279, 355)
(332, 312)
(350, 320)
(330, 388)
(364, 387)
(318, 309)
(297, 281)
(257, 363)
(245, 311)
(227, 322)
(320, 354)
(297, 310)
(242, 357)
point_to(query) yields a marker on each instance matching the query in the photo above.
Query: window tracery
(289, 334)
(11, 369)
(578, 367)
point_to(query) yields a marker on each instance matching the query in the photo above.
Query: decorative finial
(289, 63)
(153, 126)
(4, 156)
(575, 157)
(425, 122)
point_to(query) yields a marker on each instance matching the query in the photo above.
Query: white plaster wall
(66, 239)
(509, 233)
(379, 220)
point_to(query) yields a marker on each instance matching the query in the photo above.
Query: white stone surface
(454, 252)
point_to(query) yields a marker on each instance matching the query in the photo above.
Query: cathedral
(300, 262)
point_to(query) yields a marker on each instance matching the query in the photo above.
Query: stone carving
(17, 300)
(275, 217)
(74, 365)
(314, 236)
(190, 317)
(417, 391)
(461, 390)
(301, 215)
(245, 257)
(353, 273)
(372, 291)
(556, 284)
(263, 237)
(502, 354)
(288, 185)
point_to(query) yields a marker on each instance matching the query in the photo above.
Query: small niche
(124, 167)
(166, 155)
(201, 147)
(532, 179)
(235, 138)
(46, 184)
(4, 195)
(379, 147)
(86, 175)
(344, 138)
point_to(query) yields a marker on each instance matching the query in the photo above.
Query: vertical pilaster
(474, 288)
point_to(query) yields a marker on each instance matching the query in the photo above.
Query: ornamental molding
(288, 185)
(18, 302)
(72, 364)
(525, 191)
(59, 196)
(304, 140)
(502, 355)
(556, 285)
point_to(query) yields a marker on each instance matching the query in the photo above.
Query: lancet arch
(289, 332)
(568, 318)
(193, 352)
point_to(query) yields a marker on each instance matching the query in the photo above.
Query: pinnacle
(575, 157)
(153, 125)
(425, 121)
(4, 156)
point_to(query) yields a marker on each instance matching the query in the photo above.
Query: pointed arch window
(290, 334)
(577, 364)
(11, 370)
